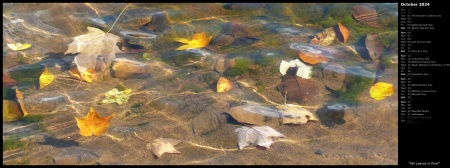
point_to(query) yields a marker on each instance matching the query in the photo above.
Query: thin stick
(140, 138)
(118, 18)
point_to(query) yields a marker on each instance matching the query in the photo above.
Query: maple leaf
(199, 40)
(93, 123)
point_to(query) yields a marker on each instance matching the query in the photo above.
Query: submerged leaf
(374, 46)
(296, 88)
(46, 78)
(366, 15)
(19, 46)
(87, 76)
(342, 33)
(257, 135)
(381, 90)
(11, 111)
(114, 96)
(93, 124)
(199, 40)
(20, 100)
(91, 45)
(163, 145)
(224, 85)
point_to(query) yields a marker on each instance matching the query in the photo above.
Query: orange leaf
(93, 123)
(312, 58)
(224, 85)
(343, 31)
(381, 90)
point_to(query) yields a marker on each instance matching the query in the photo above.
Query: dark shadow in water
(58, 143)
(230, 119)
(329, 117)
(213, 86)
(361, 48)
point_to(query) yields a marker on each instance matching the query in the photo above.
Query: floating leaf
(257, 135)
(324, 38)
(19, 46)
(46, 78)
(199, 40)
(224, 85)
(342, 33)
(163, 145)
(312, 58)
(93, 124)
(114, 96)
(303, 70)
(11, 111)
(8, 81)
(296, 88)
(366, 15)
(381, 90)
(21, 102)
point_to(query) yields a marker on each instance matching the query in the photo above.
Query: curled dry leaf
(381, 90)
(224, 85)
(46, 78)
(93, 124)
(19, 46)
(199, 40)
(163, 145)
(312, 58)
(342, 32)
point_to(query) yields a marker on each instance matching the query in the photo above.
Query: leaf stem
(118, 18)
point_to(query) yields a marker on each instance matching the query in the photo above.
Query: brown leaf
(8, 81)
(366, 15)
(312, 58)
(342, 32)
(374, 46)
(296, 88)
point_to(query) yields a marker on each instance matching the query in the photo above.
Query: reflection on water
(169, 58)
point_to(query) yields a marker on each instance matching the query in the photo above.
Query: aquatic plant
(241, 67)
(12, 143)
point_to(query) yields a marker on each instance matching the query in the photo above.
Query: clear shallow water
(173, 92)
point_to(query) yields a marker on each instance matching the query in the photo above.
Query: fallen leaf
(366, 15)
(19, 46)
(324, 38)
(312, 58)
(8, 81)
(342, 33)
(199, 40)
(11, 111)
(381, 90)
(224, 85)
(296, 88)
(92, 45)
(303, 70)
(19, 96)
(46, 78)
(87, 76)
(163, 145)
(294, 114)
(374, 46)
(257, 135)
(116, 96)
(93, 124)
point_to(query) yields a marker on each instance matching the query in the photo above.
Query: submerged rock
(334, 76)
(75, 155)
(159, 22)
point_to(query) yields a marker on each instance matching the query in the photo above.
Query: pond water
(209, 83)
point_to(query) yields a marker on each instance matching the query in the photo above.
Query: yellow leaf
(224, 85)
(19, 96)
(381, 90)
(87, 76)
(93, 123)
(19, 46)
(46, 78)
(199, 40)
(11, 111)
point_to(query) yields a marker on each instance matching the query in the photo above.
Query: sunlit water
(173, 92)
